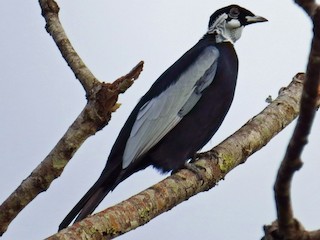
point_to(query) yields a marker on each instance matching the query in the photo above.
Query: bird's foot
(195, 158)
(197, 170)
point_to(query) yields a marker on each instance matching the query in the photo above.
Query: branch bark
(102, 98)
(50, 11)
(216, 163)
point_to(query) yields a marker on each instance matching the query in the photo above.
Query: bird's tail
(86, 205)
(91, 199)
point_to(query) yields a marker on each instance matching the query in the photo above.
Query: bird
(180, 112)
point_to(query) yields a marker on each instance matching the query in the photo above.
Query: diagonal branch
(143, 207)
(50, 11)
(95, 115)
(102, 98)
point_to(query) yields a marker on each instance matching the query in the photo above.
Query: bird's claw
(194, 158)
(197, 170)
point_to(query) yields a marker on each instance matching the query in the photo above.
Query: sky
(40, 98)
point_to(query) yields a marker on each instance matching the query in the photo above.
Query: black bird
(180, 113)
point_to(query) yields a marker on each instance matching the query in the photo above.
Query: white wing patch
(162, 113)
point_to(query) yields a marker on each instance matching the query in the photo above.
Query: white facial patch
(235, 33)
(226, 31)
(233, 23)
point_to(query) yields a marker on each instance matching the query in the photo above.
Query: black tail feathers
(87, 203)
(109, 179)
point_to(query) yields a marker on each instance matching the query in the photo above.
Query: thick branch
(179, 187)
(288, 226)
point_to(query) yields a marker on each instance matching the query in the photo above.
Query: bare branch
(288, 226)
(272, 232)
(50, 10)
(93, 118)
(179, 187)
(102, 98)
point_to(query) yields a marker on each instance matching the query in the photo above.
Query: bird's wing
(163, 112)
(201, 84)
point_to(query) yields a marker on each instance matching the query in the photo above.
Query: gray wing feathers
(162, 113)
(202, 84)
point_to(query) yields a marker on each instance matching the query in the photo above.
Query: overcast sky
(40, 98)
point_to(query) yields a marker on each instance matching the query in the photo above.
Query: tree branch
(179, 187)
(95, 115)
(288, 227)
(102, 98)
(272, 232)
(309, 6)
(50, 11)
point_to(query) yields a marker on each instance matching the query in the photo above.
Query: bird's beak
(255, 19)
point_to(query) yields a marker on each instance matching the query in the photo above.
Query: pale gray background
(40, 98)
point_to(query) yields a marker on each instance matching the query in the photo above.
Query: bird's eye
(234, 12)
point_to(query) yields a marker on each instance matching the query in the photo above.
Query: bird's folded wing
(162, 113)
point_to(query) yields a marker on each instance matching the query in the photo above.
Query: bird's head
(227, 23)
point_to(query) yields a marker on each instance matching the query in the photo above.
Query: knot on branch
(103, 96)
(100, 105)
(293, 232)
(106, 97)
(300, 77)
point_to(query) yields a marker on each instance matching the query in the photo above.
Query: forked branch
(102, 99)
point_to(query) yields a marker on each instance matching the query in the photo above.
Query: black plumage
(181, 111)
